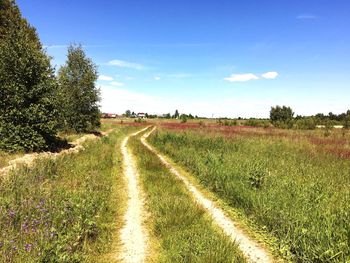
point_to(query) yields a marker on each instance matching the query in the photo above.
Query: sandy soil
(28, 159)
(133, 235)
(252, 250)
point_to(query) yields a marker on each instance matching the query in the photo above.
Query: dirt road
(133, 234)
(253, 251)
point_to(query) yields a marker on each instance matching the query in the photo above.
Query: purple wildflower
(28, 247)
(11, 213)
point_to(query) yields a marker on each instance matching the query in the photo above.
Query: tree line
(36, 103)
(283, 117)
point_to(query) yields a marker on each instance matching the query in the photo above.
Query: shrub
(304, 124)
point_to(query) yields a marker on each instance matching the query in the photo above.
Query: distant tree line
(283, 117)
(35, 103)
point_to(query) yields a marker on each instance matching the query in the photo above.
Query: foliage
(28, 113)
(305, 124)
(176, 114)
(64, 209)
(128, 113)
(78, 93)
(183, 118)
(257, 174)
(282, 116)
(226, 122)
(257, 123)
(300, 196)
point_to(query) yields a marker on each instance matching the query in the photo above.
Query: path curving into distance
(133, 234)
(249, 247)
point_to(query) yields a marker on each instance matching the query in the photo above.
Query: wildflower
(1, 244)
(28, 247)
(11, 214)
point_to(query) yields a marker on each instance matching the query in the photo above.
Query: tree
(128, 113)
(176, 115)
(28, 112)
(78, 94)
(282, 116)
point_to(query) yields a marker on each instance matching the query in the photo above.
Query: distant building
(141, 115)
(109, 115)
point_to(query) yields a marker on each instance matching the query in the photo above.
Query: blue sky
(210, 58)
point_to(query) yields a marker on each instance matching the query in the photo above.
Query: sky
(222, 58)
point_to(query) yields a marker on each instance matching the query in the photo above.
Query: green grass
(181, 228)
(299, 196)
(63, 210)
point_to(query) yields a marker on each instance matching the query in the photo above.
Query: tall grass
(300, 197)
(184, 232)
(62, 210)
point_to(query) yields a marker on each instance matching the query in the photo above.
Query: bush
(304, 124)
(257, 123)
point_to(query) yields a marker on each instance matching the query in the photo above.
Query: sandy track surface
(133, 234)
(253, 251)
(28, 159)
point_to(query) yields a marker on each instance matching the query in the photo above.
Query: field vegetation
(293, 184)
(66, 209)
(181, 228)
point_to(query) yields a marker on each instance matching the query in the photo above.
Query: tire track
(133, 235)
(249, 247)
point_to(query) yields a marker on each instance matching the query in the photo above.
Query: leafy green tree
(78, 94)
(128, 113)
(282, 116)
(28, 115)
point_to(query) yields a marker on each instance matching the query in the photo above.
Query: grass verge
(63, 210)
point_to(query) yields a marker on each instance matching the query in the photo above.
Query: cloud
(105, 78)
(270, 75)
(125, 64)
(157, 78)
(241, 77)
(116, 84)
(306, 17)
(55, 46)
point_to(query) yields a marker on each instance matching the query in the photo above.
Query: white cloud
(270, 75)
(157, 78)
(306, 16)
(125, 64)
(241, 77)
(105, 78)
(116, 83)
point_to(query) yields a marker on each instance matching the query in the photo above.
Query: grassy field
(295, 185)
(65, 209)
(181, 230)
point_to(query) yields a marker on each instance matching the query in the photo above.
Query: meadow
(65, 209)
(292, 185)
